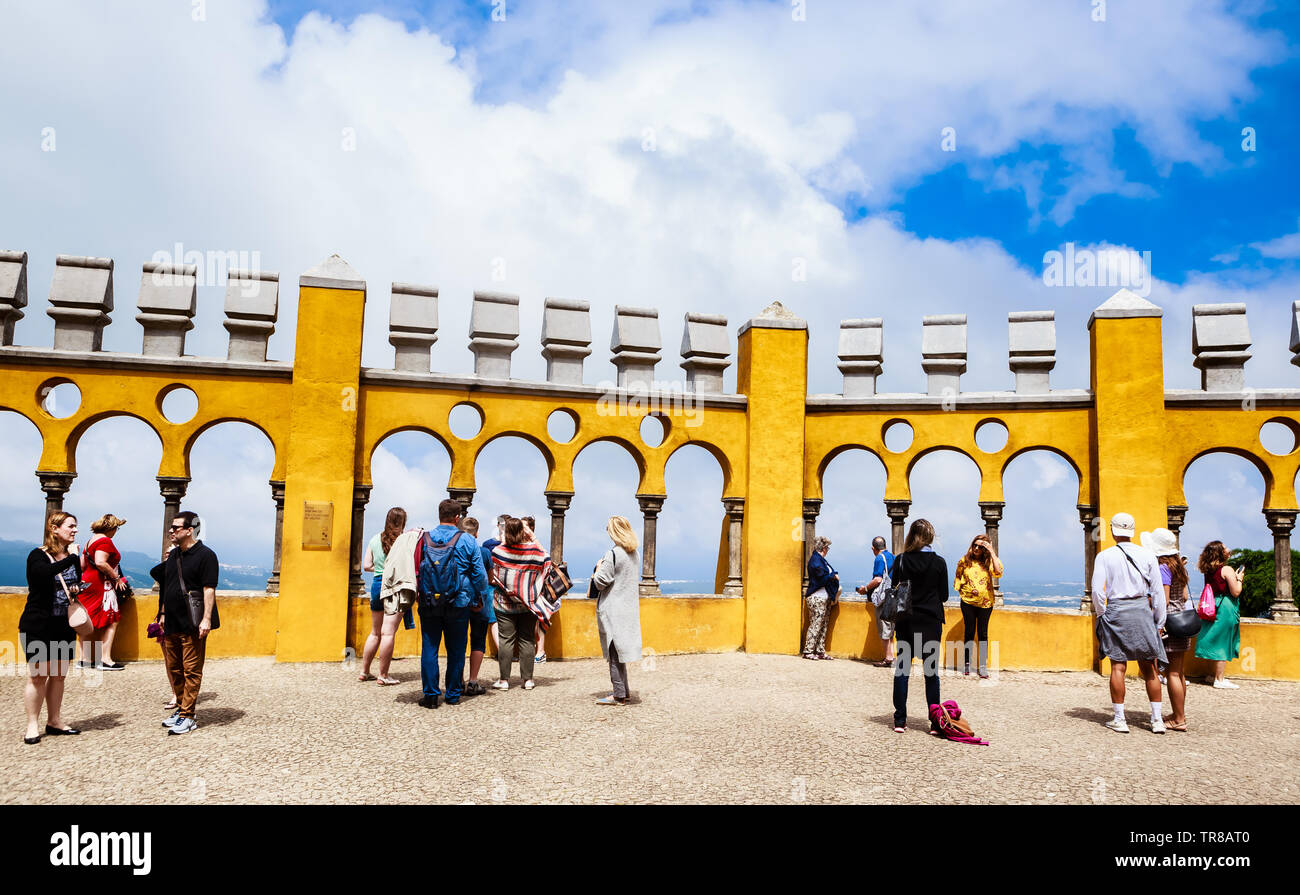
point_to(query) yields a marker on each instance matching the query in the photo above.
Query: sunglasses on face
(179, 527)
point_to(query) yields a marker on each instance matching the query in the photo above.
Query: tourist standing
(823, 588)
(531, 524)
(618, 607)
(1220, 640)
(383, 628)
(520, 565)
(1173, 577)
(446, 592)
(974, 582)
(1130, 607)
(187, 583)
(53, 578)
(105, 585)
(488, 546)
(480, 622)
(875, 588)
(920, 631)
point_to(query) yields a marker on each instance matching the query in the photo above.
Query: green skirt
(1220, 640)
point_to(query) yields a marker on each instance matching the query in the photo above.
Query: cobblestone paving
(718, 728)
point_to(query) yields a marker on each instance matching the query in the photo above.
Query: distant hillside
(13, 569)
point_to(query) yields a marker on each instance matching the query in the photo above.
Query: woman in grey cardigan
(618, 606)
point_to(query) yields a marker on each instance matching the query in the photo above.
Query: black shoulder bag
(896, 605)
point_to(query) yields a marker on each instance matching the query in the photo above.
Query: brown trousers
(183, 655)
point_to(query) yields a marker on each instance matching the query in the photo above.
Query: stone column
(55, 485)
(360, 497)
(650, 504)
(735, 507)
(277, 495)
(1176, 516)
(1281, 522)
(812, 508)
(173, 490)
(1087, 518)
(991, 511)
(463, 496)
(558, 503)
(897, 510)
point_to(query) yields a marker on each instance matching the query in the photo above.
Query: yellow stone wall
(1127, 438)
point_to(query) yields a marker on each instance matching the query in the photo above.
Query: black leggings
(976, 622)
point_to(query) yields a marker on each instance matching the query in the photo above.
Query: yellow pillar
(1128, 387)
(773, 373)
(319, 466)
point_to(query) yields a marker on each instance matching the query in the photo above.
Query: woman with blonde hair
(1220, 640)
(616, 581)
(974, 581)
(53, 581)
(383, 628)
(105, 585)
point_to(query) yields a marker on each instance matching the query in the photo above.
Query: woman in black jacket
(920, 632)
(43, 628)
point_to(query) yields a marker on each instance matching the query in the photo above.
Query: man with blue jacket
(449, 591)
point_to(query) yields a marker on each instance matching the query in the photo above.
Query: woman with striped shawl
(519, 570)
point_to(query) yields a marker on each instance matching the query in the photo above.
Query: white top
(1114, 578)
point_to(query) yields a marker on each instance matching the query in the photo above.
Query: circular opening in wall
(991, 436)
(562, 425)
(898, 435)
(178, 404)
(59, 398)
(1279, 437)
(654, 429)
(465, 421)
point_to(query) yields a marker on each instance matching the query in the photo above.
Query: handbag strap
(1134, 565)
(62, 581)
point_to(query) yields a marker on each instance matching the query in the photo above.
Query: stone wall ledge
(1183, 398)
(373, 376)
(908, 402)
(110, 360)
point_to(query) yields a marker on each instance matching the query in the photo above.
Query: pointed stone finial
(252, 307)
(13, 293)
(566, 339)
(943, 352)
(1220, 337)
(81, 295)
(636, 345)
(333, 273)
(705, 351)
(494, 333)
(413, 326)
(1125, 303)
(862, 355)
(1033, 350)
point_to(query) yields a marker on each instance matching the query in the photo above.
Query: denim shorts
(377, 604)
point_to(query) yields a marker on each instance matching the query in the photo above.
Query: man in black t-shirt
(190, 565)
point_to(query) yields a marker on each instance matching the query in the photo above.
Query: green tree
(1260, 585)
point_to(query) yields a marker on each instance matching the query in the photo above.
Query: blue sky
(675, 154)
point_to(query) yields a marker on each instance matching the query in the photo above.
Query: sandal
(365, 676)
(611, 700)
(826, 657)
(1182, 728)
(386, 681)
(884, 663)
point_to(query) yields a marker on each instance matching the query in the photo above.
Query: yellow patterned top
(974, 583)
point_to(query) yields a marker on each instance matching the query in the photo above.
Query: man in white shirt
(1129, 602)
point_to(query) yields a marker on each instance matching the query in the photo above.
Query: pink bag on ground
(947, 720)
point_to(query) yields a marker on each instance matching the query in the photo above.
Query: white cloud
(1287, 246)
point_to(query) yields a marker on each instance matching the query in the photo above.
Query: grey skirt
(1128, 632)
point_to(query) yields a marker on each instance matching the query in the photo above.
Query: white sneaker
(175, 717)
(501, 685)
(1119, 725)
(1157, 725)
(1225, 684)
(184, 725)
(528, 685)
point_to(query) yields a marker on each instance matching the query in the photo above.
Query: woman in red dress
(107, 585)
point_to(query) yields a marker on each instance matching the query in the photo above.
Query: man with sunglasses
(189, 565)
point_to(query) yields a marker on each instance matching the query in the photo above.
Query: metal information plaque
(317, 523)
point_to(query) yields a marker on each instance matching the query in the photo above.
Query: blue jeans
(434, 629)
(377, 605)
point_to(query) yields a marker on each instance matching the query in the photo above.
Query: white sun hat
(1161, 542)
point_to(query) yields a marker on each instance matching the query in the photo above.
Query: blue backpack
(438, 578)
